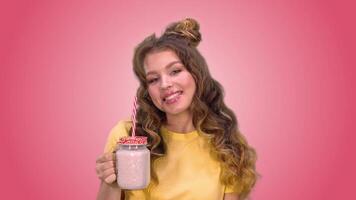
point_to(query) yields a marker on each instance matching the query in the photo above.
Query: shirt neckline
(167, 134)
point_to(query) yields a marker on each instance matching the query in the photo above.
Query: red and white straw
(133, 117)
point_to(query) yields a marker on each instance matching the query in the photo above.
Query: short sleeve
(120, 130)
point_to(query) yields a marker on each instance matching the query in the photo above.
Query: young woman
(197, 151)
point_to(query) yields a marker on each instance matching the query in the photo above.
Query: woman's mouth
(173, 97)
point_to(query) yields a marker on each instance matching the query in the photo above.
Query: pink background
(287, 68)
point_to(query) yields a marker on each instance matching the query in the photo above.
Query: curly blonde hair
(211, 116)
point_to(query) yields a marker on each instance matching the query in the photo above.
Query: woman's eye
(153, 80)
(174, 72)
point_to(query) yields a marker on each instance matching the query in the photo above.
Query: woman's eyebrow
(167, 66)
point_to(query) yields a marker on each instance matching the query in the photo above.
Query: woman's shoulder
(119, 130)
(123, 124)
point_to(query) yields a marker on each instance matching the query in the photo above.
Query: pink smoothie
(133, 166)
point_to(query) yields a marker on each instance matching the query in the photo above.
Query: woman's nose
(166, 82)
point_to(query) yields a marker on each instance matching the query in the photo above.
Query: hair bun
(187, 28)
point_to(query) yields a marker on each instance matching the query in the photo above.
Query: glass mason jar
(133, 163)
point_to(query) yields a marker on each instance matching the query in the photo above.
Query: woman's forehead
(160, 60)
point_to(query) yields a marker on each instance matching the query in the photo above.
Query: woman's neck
(182, 123)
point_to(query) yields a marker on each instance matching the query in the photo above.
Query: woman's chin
(177, 111)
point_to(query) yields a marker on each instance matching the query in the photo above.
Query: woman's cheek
(155, 97)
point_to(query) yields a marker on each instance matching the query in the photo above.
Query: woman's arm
(109, 191)
(231, 196)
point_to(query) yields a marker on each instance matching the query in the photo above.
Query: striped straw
(133, 117)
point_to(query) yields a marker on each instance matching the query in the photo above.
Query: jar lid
(133, 140)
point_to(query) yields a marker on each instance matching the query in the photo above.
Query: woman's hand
(105, 167)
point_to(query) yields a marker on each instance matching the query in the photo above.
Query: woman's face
(170, 85)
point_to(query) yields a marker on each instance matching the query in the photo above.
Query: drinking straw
(133, 117)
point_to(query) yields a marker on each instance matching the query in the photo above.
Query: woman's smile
(172, 97)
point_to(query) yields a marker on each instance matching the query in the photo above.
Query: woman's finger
(106, 173)
(110, 179)
(101, 167)
(106, 157)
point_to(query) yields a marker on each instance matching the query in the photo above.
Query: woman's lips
(172, 98)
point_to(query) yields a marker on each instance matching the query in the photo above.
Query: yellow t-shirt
(186, 171)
